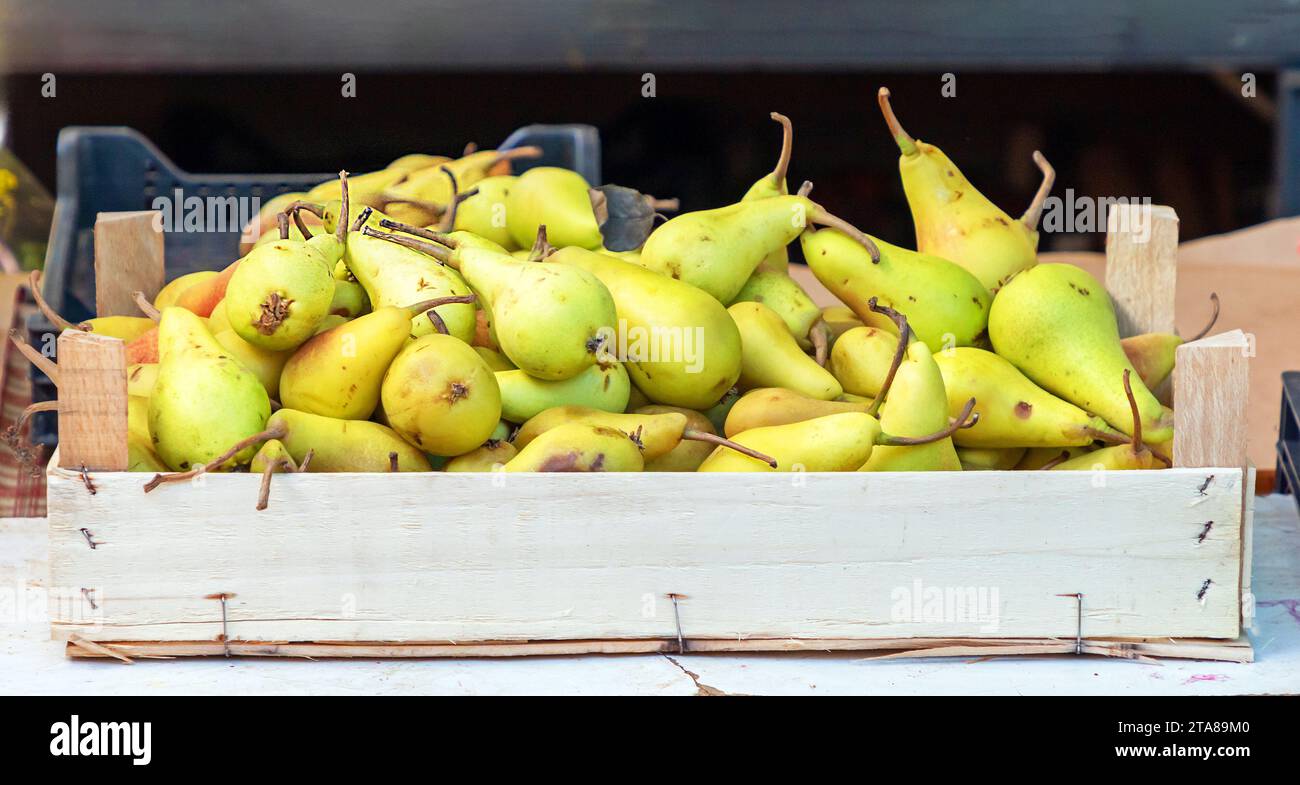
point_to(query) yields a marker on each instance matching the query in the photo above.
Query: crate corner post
(128, 259)
(1142, 266)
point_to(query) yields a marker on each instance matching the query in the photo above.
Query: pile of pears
(446, 315)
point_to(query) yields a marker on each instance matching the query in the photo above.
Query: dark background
(1181, 137)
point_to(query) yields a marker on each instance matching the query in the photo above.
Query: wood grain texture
(128, 259)
(1141, 267)
(1212, 390)
(463, 558)
(92, 401)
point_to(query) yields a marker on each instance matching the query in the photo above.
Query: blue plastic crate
(111, 169)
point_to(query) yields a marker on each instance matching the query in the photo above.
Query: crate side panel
(560, 557)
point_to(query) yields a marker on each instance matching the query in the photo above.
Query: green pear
(204, 399)
(439, 395)
(1056, 324)
(861, 358)
(916, 404)
(1134, 455)
(771, 358)
(560, 200)
(278, 294)
(1153, 354)
(783, 294)
(680, 346)
(605, 387)
(484, 213)
(1014, 412)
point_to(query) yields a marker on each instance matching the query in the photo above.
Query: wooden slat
(445, 557)
(1141, 267)
(128, 258)
(92, 402)
(1212, 388)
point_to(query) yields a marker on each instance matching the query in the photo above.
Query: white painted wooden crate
(1130, 564)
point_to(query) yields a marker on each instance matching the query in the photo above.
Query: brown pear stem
(542, 247)
(904, 140)
(1108, 438)
(1035, 211)
(442, 238)
(787, 144)
(448, 221)
(527, 151)
(282, 221)
(418, 308)
(306, 460)
(1214, 298)
(276, 431)
(145, 306)
(904, 338)
(805, 188)
(436, 251)
(297, 220)
(819, 336)
(1133, 406)
(392, 461)
(341, 230)
(1060, 459)
(712, 438)
(470, 149)
(34, 285)
(905, 441)
(670, 205)
(36, 358)
(439, 325)
(264, 492)
(362, 218)
(11, 433)
(1159, 456)
(819, 215)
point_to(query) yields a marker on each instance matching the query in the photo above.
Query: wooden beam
(128, 259)
(1141, 267)
(1211, 387)
(92, 402)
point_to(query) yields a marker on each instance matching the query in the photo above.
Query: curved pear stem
(805, 188)
(439, 325)
(282, 221)
(712, 438)
(1214, 298)
(442, 238)
(542, 247)
(34, 285)
(420, 307)
(902, 138)
(341, 230)
(1137, 417)
(306, 460)
(277, 431)
(1035, 211)
(819, 336)
(1058, 460)
(961, 422)
(787, 144)
(438, 252)
(295, 209)
(145, 306)
(448, 220)
(27, 454)
(264, 492)
(527, 151)
(1106, 436)
(46, 365)
(904, 338)
(818, 215)
(362, 218)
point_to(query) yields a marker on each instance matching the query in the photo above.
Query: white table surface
(30, 663)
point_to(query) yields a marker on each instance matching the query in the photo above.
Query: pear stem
(341, 230)
(145, 306)
(276, 431)
(34, 357)
(264, 492)
(1137, 418)
(13, 434)
(448, 221)
(470, 149)
(953, 427)
(527, 151)
(904, 336)
(905, 142)
(712, 438)
(805, 189)
(421, 307)
(1214, 298)
(439, 325)
(787, 144)
(1035, 211)
(671, 205)
(819, 216)
(282, 221)
(442, 238)
(1104, 436)
(34, 284)
(438, 252)
(1062, 458)
(819, 336)
(392, 461)
(542, 247)
(362, 218)
(306, 460)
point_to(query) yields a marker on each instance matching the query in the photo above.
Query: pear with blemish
(605, 387)
(440, 395)
(689, 453)
(1014, 412)
(560, 200)
(860, 360)
(579, 447)
(955, 221)
(343, 445)
(491, 457)
(1134, 455)
(771, 358)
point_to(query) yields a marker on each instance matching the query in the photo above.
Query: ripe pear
(203, 296)
(605, 387)
(338, 373)
(1038, 458)
(579, 447)
(278, 294)
(778, 291)
(861, 358)
(439, 395)
(916, 404)
(975, 459)
(436, 186)
(265, 364)
(1014, 412)
(771, 358)
(840, 319)
(717, 250)
(774, 184)
(217, 320)
(343, 445)
(496, 360)
(491, 457)
(656, 434)
(1134, 455)
(679, 344)
(945, 305)
(485, 212)
(776, 406)
(955, 221)
(137, 419)
(1056, 324)
(689, 453)
(550, 320)
(350, 299)
(1152, 354)
(204, 399)
(168, 294)
(558, 199)
(140, 379)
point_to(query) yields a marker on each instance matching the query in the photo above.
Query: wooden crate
(1125, 564)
